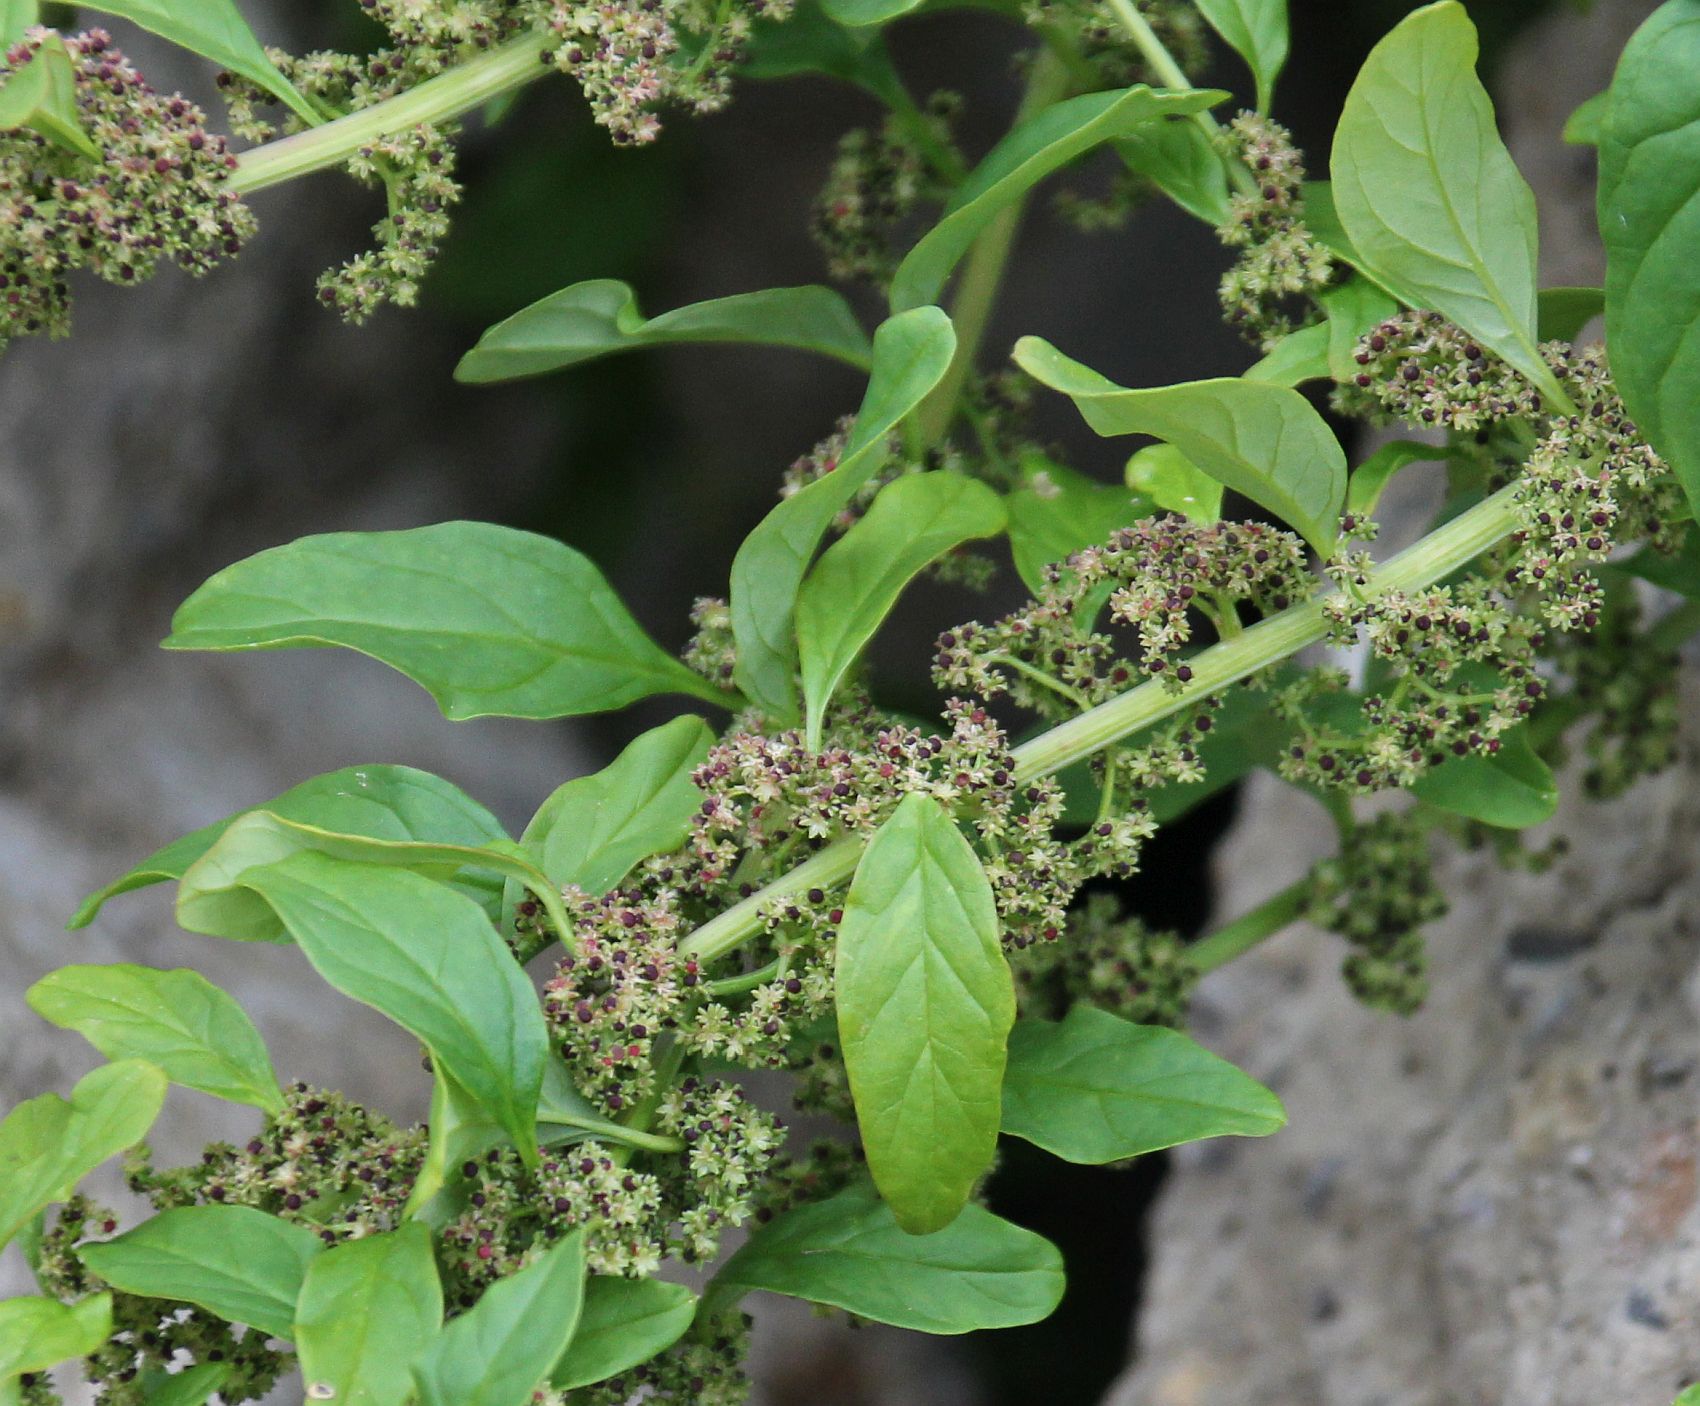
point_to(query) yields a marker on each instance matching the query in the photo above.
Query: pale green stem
(449, 95)
(1245, 932)
(1268, 642)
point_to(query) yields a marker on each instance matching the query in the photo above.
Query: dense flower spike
(876, 182)
(157, 191)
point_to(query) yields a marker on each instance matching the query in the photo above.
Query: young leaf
(234, 1261)
(15, 17)
(212, 899)
(1096, 1088)
(1298, 357)
(215, 30)
(1057, 511)
(1174, 483)
(489, 620)
(858, 13)
(1177, 157)
(1020, 161)
(427, 958)
(1649, 212)
(367, 1309)
(48, 1145)
(1564, 312)
(190, 1387)
(1586, 122)
(41, 95)
(1370, 478)
(912, 351)
(496, 1353)
(925, 1005)
(178, 1020)
(1513, 788)
(1261, 440)
(853, 587)
(381, 802)
(1353, 308)
(591, 831)
(1428, 194)
(849, 1252)
(37, 1334)
(624, 1322)
(811, 42)
(1256, 30)
(601, 317)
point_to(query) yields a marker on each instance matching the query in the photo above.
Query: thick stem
(440, 99)
(1437, 556)
(1246, 931)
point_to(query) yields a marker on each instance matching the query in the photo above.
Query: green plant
(890, 909)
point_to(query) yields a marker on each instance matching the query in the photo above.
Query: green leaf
(492, 622)
(1564, 312)
(1174, 483)
(913, 521)
(1256, 30)
(15, 17)
(1039, 146)
(1691, 1397)
(367, 1309)
(1096, 1088)
(1671, 571)
(591, 831)
(48, 1145)
(427, 958)
(380, 802)
(1261, 440)
(215, 30)
(601, 317)
(1585, 124)
(1649, 212)
(1298, 357)
(858, 13)
(849, 1252)
(625, 1322)
(37, 1334)
(1370, 478)
(190, 1387)
(1513, 788)
(179, 1020)
(212, 898)
(1353, 308)
(1177, 157)
(1057, 511)
(811, 42)
(1428, 194)
(925, 1005)
(912, 351)
(41, 95)
(497, 1353)
(234, 1261)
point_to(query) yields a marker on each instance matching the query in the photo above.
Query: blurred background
(187, 424)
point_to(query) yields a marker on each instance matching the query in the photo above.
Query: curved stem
(1246, 931)
(438, 99)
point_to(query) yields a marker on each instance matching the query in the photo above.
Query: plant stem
(977, 290)
(449, 95)
(1435, 557)
(1246, 931)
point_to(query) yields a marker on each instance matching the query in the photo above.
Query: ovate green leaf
(499, 1351)
(1513, 788)
(601, 317)
(1174, 483)
(234, 1261)
(179, 1020)
(925, 1005)
(1564, 312)
(1262, 440)
(849, 1252)
(1096, 1088)
(1256, 30)
(41, 95)
(37, 1334)
(1177, 157)
(215, 30)
(912, 351)
(912, 522)
(1428, 194)
(624, 1322)
(1587, 121)
(15, 17)
(1057, 511)
(1370, 478)
(1649, 212)
(1039, 146)
(367, 1310)
(49, 1144)
(1298, 357)
(428, 958)
(381, 802)
(489, 620)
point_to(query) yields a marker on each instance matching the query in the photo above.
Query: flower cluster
(704, 1368)
(1108, 958)
(877, 180)
(1377, 893)
(157, 191)
(1420, 368)
(1094, 29)
(1281, 263)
